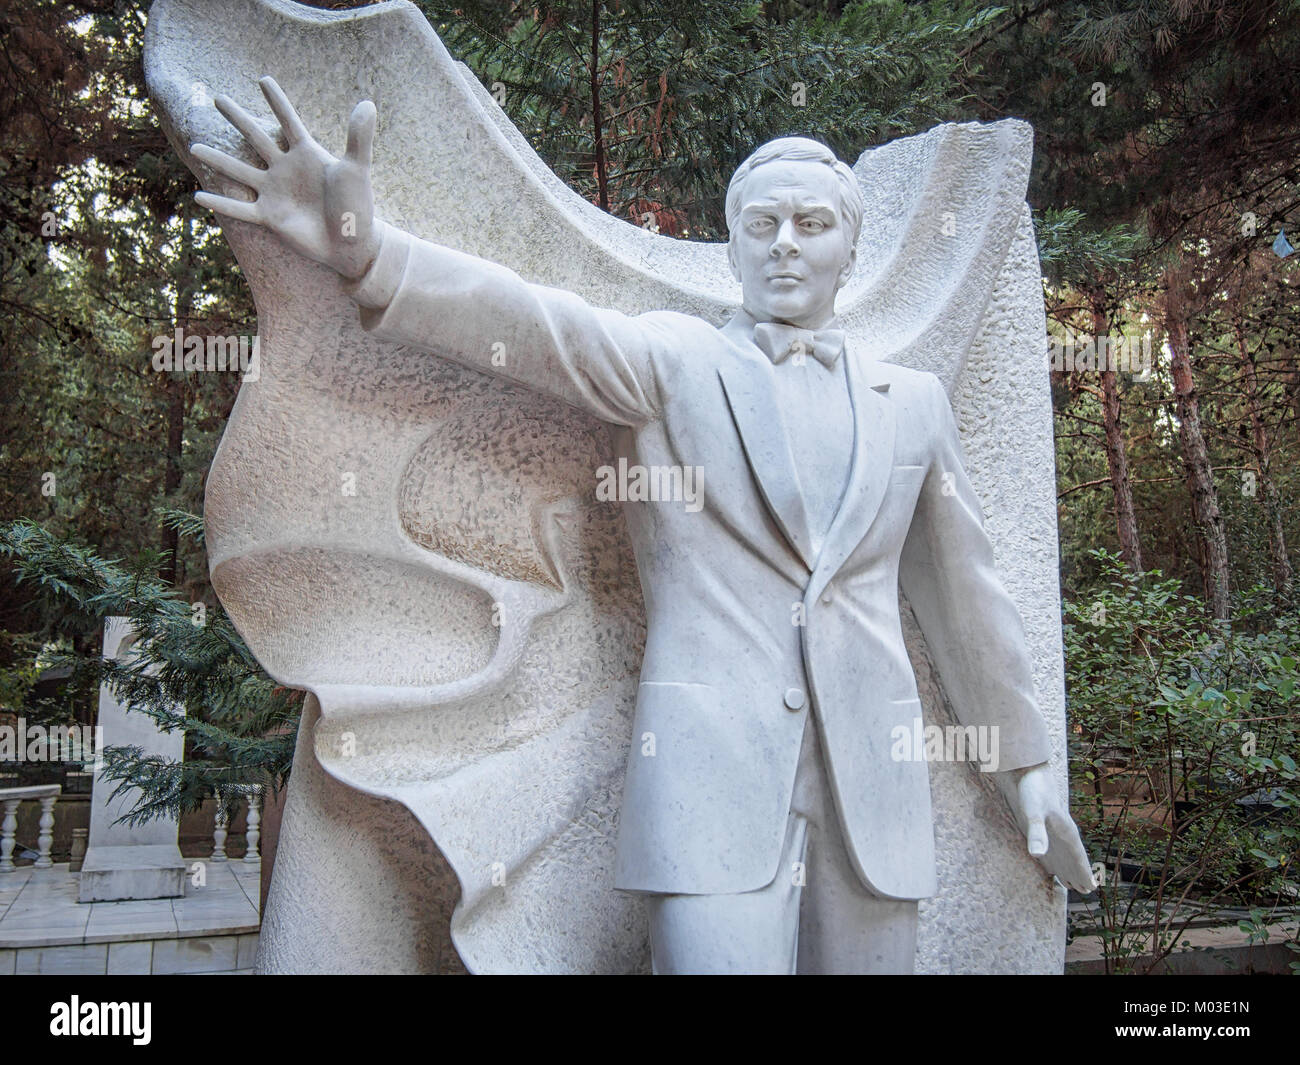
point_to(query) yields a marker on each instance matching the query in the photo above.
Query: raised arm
(414, 292)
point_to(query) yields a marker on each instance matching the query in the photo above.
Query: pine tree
(647, 106)
(192, 673)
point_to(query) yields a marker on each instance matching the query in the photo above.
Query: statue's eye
(760, 225)
(812, 225)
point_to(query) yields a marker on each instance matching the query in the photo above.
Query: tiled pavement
(212, 929)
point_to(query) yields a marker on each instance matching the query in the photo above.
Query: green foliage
(1072, 253)
(1198, 129)
(192, 672)
(1183, 737)
(100, 252)
(684, 90)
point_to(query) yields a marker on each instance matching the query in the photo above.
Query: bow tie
(779, 342)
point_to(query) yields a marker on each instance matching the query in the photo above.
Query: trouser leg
(752, 932)
(843, 927)
(815, 917)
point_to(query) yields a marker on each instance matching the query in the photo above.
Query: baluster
(219, 833)
(80, 836)
(45, 840)
(254, 833)
(8, 831)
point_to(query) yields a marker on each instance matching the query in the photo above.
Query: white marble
(45, 912)
(129, 861)
(197, 955)
(129, 959)
(89, 959)
(419, 543)
(132, 871)
(10, 799)
(116, 921)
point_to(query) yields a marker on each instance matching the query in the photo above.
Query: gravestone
(129, 861)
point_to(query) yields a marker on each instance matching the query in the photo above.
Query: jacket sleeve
(971, 625)
(486, 317)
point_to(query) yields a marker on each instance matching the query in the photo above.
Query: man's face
(790, 249)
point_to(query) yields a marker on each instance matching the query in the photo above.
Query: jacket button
(794, 699)
(826, 595)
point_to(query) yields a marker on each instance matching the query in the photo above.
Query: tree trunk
(1291, 376)
(174, 383)
(1196, 456)
(597, 123)
(1116, 458)
(1263, 459)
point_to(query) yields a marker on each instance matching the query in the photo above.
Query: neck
(817, 320)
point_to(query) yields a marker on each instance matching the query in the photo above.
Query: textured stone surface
(506, 745)
(358, 885)
(986, 880)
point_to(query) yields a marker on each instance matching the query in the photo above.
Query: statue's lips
(784, 280)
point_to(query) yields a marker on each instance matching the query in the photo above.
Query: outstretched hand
(321, 206)
(1050, 833)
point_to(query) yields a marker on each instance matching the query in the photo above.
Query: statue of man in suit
(774, 815)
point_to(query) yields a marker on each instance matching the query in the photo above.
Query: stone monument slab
(129, 861)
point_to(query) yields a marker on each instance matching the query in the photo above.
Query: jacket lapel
(748, 388)
(873, 464)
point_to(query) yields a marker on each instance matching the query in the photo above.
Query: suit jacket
(729, 675)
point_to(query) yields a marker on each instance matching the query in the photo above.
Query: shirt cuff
(376, 288)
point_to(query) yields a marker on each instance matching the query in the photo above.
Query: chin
(788, 312)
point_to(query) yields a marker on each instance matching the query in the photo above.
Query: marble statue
(437, 548)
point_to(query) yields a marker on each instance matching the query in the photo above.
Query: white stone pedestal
(132, 871)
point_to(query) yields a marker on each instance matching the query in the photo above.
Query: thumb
(361, 133)
(1036, 833)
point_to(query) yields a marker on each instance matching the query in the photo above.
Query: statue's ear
(732, 259)
(846, 271)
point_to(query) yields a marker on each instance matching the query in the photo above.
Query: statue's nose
(785, 242)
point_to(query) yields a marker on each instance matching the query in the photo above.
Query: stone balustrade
(252, 834)
(46, 795)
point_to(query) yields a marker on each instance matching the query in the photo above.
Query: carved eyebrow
(808, 208)
(813, 207)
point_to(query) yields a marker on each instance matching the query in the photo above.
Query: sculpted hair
(799, 149)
